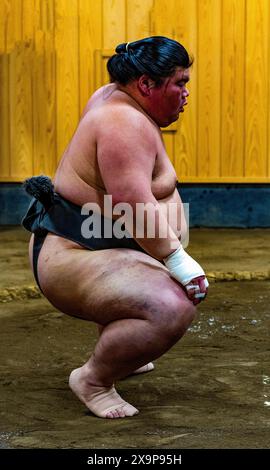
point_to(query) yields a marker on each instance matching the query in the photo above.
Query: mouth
(182, 106)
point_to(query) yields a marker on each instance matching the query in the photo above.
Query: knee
(179, 317)
(174, 318)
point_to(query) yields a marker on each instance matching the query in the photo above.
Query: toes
(117, 413)
(147, 368)
(121, 413)
(127, 410)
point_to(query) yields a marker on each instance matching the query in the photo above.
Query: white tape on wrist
(182, 267)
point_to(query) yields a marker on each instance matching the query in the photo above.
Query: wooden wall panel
(256, 90)
(268, 105)
(163, 18)
(185, 141)
(67, 71)
(138, 19)
(5, 30)
(4, 14)
(101, 74)
(114, 23)
(4, 118)
(168, 138)
(28, 20)
(20, 102)
(13, 23)
(53, 56)
(232, 90)
(44, 89)
(208, 112)
(90, 40)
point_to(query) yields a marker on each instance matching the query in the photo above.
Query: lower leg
(123, 346)
(141, 370)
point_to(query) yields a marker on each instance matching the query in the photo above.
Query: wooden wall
(53, 55)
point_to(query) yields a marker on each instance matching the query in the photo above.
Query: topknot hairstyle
(156, 56)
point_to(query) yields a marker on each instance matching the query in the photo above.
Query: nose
(186, 92)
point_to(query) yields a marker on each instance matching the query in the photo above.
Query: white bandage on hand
(183, 268)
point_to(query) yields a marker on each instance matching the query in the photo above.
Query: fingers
(205, 282)
(197, 289)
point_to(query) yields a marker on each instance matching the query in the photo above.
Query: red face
(168, 100)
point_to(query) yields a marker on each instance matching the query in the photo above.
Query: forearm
(157, 238)
(148, 224)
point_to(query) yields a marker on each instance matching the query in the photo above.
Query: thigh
(104, 285)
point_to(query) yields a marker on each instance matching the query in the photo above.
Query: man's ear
(145, 84)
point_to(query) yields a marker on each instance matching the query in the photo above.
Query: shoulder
(122, 112)
(124, 120)
(125, 138)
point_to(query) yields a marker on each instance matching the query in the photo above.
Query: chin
(169, 122)
(174, 118)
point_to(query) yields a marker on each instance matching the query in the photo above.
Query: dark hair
(156, 56)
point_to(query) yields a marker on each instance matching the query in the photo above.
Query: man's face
(168, 100)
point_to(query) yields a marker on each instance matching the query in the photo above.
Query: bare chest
(164, 177)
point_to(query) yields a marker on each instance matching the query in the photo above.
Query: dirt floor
(211, 390)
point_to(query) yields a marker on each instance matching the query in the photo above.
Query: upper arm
(126, 153)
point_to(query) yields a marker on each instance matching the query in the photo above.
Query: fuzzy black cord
(41, 188)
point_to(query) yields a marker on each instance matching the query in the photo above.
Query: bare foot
(104, 402)
(147, 368)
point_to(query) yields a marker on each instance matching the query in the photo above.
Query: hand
(189, 273)
(197, 289)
